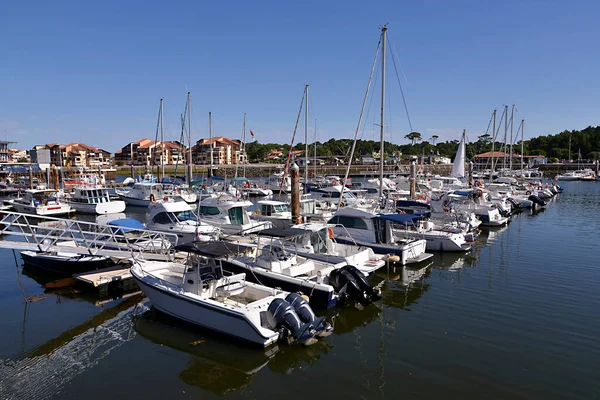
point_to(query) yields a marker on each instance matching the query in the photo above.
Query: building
(76, 155)
(224, 151)
(5, 151)
(149, 152)
(17, 155)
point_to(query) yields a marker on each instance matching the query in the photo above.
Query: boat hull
(203, 314)
(42, 211)
(64, 265)
(409, 253)
(112, 207)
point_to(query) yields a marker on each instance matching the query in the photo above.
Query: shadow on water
(217, 364)
(403, 285)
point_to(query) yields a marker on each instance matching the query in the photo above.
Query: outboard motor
(351, 283)
(307, 315)
(515, 203)
(537, 200)
(282, 317)
(503, 212)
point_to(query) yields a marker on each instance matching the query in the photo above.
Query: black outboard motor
(282, 317)
(537, 200)
(503, 212)
(515, 203)
(307, 315)
(349, 282)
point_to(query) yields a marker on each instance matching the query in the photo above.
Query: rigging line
(287, 163)
(360, 119)
(364, 127)
(401, 90)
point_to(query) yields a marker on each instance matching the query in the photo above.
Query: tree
(434, 138)
(413, 137)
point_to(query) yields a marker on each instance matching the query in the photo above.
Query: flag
(252, 134)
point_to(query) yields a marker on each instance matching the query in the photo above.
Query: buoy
(330, 233)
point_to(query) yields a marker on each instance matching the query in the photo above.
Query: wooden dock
(108, 279)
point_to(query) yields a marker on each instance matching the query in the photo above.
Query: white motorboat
(177, 217)
(277, 212)
(42, 202)
(254, 189)
(318, 243)
(93, 199)
(200, 292)
(230, 214)
(141, 194)
(361, 228)
(325, 283)
(279, 182)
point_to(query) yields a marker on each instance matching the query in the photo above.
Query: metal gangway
(49, 234)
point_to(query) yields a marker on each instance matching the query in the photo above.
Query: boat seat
(297, 270)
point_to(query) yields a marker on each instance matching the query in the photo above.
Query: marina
(362, 202)
(512, 298)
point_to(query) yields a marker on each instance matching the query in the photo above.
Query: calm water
(517, 317)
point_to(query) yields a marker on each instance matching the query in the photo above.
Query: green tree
(413, 137)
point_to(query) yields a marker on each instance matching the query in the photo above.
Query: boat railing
(56, 234)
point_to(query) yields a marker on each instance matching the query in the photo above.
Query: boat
(318, 243)
(91, 197)
(361, 228)
(279, 182)
(200, 292)
(65, 263)
(141, 194)
(42, 202)
(230, 214)
(254, 189)
(277, 212)
(326, 284)
(178, 217)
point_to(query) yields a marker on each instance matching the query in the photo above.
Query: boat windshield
(318, 240)
(281, 208)
(349, 195)
(187, 215)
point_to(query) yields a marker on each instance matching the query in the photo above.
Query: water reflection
(49, 367)
(404, 285)
(217, 364)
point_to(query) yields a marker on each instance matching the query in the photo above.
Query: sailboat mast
(381, 128)
(512, 124)
(244, 147)
(505, 135)
(210, 171)
(493, 143)
(306, 136)
(162, 142)
(315, 166)
(190, 164)
(522, 144)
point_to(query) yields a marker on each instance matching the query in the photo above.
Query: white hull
(53, 210)
(112, 207)
(440, 241)
(206, 313)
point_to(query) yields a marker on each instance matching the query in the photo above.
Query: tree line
(584, 144)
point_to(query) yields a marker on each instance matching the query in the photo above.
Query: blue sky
(94, 72)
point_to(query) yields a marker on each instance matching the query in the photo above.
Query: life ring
(528, 192)
(152, 198)
(165, 199)
(479, 192)
(330, 233)
(540, 187)
(478, 183)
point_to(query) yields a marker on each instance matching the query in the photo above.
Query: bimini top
(213, 249)
(281, 232)
(404, 219)
(127, 224)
